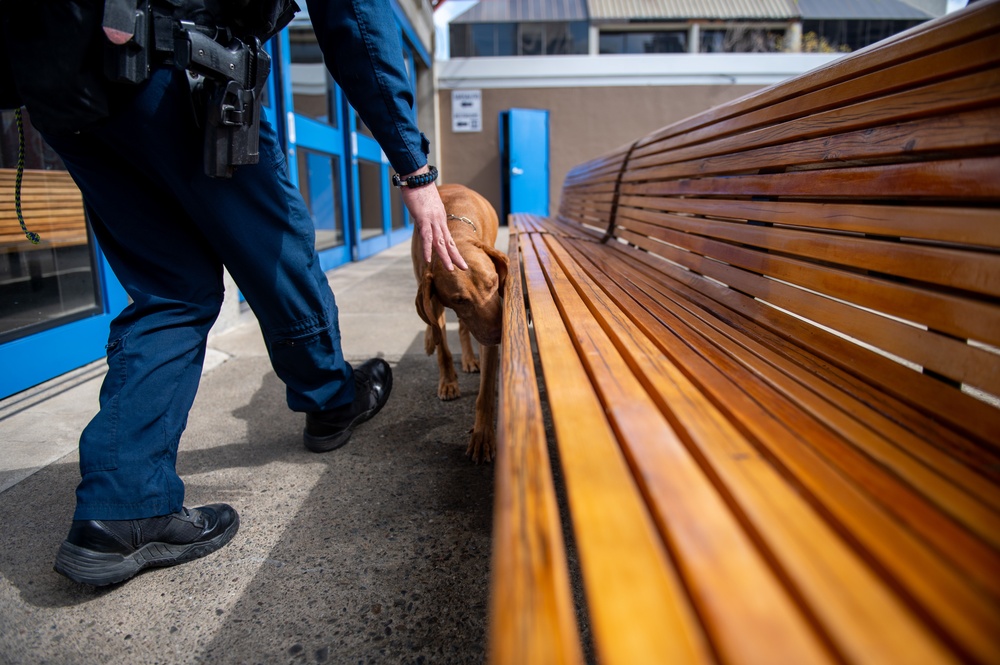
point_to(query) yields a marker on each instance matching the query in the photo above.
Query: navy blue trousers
(167, 230)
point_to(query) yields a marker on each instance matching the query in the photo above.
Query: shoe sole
(324, 444)
(101, 568)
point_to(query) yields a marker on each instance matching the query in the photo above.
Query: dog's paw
(448, 390)
(482, 447)
(470, 364)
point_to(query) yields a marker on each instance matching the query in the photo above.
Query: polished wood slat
(934, 223)
(899, 140)
(638, 609)
(52, 206)
(968, 180)
(960, 413)
(736, 595)
(856, 419)
(979, 20)
(886, 95)
(532, 615)
(959, 601)
(943, 354)
(956, 268)
(776, 501)
(961, 315)
(784, 310)
(967, 496)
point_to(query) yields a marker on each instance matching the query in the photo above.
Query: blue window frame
(35, 358)
(356, 212)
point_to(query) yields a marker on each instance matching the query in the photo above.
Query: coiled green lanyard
(30, 235)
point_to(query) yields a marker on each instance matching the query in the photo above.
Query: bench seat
(769, 341)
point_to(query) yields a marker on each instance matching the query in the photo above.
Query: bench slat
(810, 553)
(960, 604)
(956, 488)
(943, 354)
(787, 309)
(944, 224)
(899, 140)
(971, 179)
(531, 608)
(864, 102)
(734, 591)
(960, 412)
(955, 268)
(979, 20)
(639, 612)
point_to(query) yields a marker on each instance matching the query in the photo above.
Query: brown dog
(474, 295)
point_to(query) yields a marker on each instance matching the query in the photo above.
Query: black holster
(228, 80)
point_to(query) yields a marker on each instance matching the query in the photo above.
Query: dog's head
(475, 294)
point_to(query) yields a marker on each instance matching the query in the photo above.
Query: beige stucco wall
(583, 123)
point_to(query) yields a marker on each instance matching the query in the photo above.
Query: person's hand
(431, 222)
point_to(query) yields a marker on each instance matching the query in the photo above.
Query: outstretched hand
(431, 222)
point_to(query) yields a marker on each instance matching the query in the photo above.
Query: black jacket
(54, 54)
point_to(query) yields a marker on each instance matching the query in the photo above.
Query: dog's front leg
(482, 445)
(470, 362)
(447, 378)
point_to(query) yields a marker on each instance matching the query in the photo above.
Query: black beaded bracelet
(415, 180)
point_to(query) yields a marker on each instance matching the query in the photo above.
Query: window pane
(53, 282)
(311, 83)
(319, 183)
(664, 41)
(483, 40)
(741, 39)
(370, 188)
(532, 38)
(398, 216)
(611, 43)
(565, 38)
(506, 39)
(459, 41)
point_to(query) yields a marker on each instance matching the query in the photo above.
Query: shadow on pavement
(377, 552)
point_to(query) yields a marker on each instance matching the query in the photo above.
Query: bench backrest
(854, 210)
(52, 207)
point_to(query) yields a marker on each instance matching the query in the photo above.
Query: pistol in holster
(233, 75)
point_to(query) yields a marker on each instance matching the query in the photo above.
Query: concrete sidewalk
(374, 553)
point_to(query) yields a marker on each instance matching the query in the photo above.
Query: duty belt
(225, 74)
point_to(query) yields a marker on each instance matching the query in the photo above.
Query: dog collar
(464, 219)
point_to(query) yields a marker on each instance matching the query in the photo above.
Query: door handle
(516, 171)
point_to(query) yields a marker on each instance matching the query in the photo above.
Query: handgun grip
(198, 52)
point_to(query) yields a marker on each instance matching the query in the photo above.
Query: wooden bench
(52, 207)
(768, 336)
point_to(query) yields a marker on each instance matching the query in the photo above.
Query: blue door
(524, 148)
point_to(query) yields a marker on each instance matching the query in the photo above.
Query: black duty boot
(102, 552)
(326, 430)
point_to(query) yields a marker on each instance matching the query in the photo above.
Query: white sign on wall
(466, 110)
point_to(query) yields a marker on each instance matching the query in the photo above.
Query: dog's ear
(500, 262)
(425, 304)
